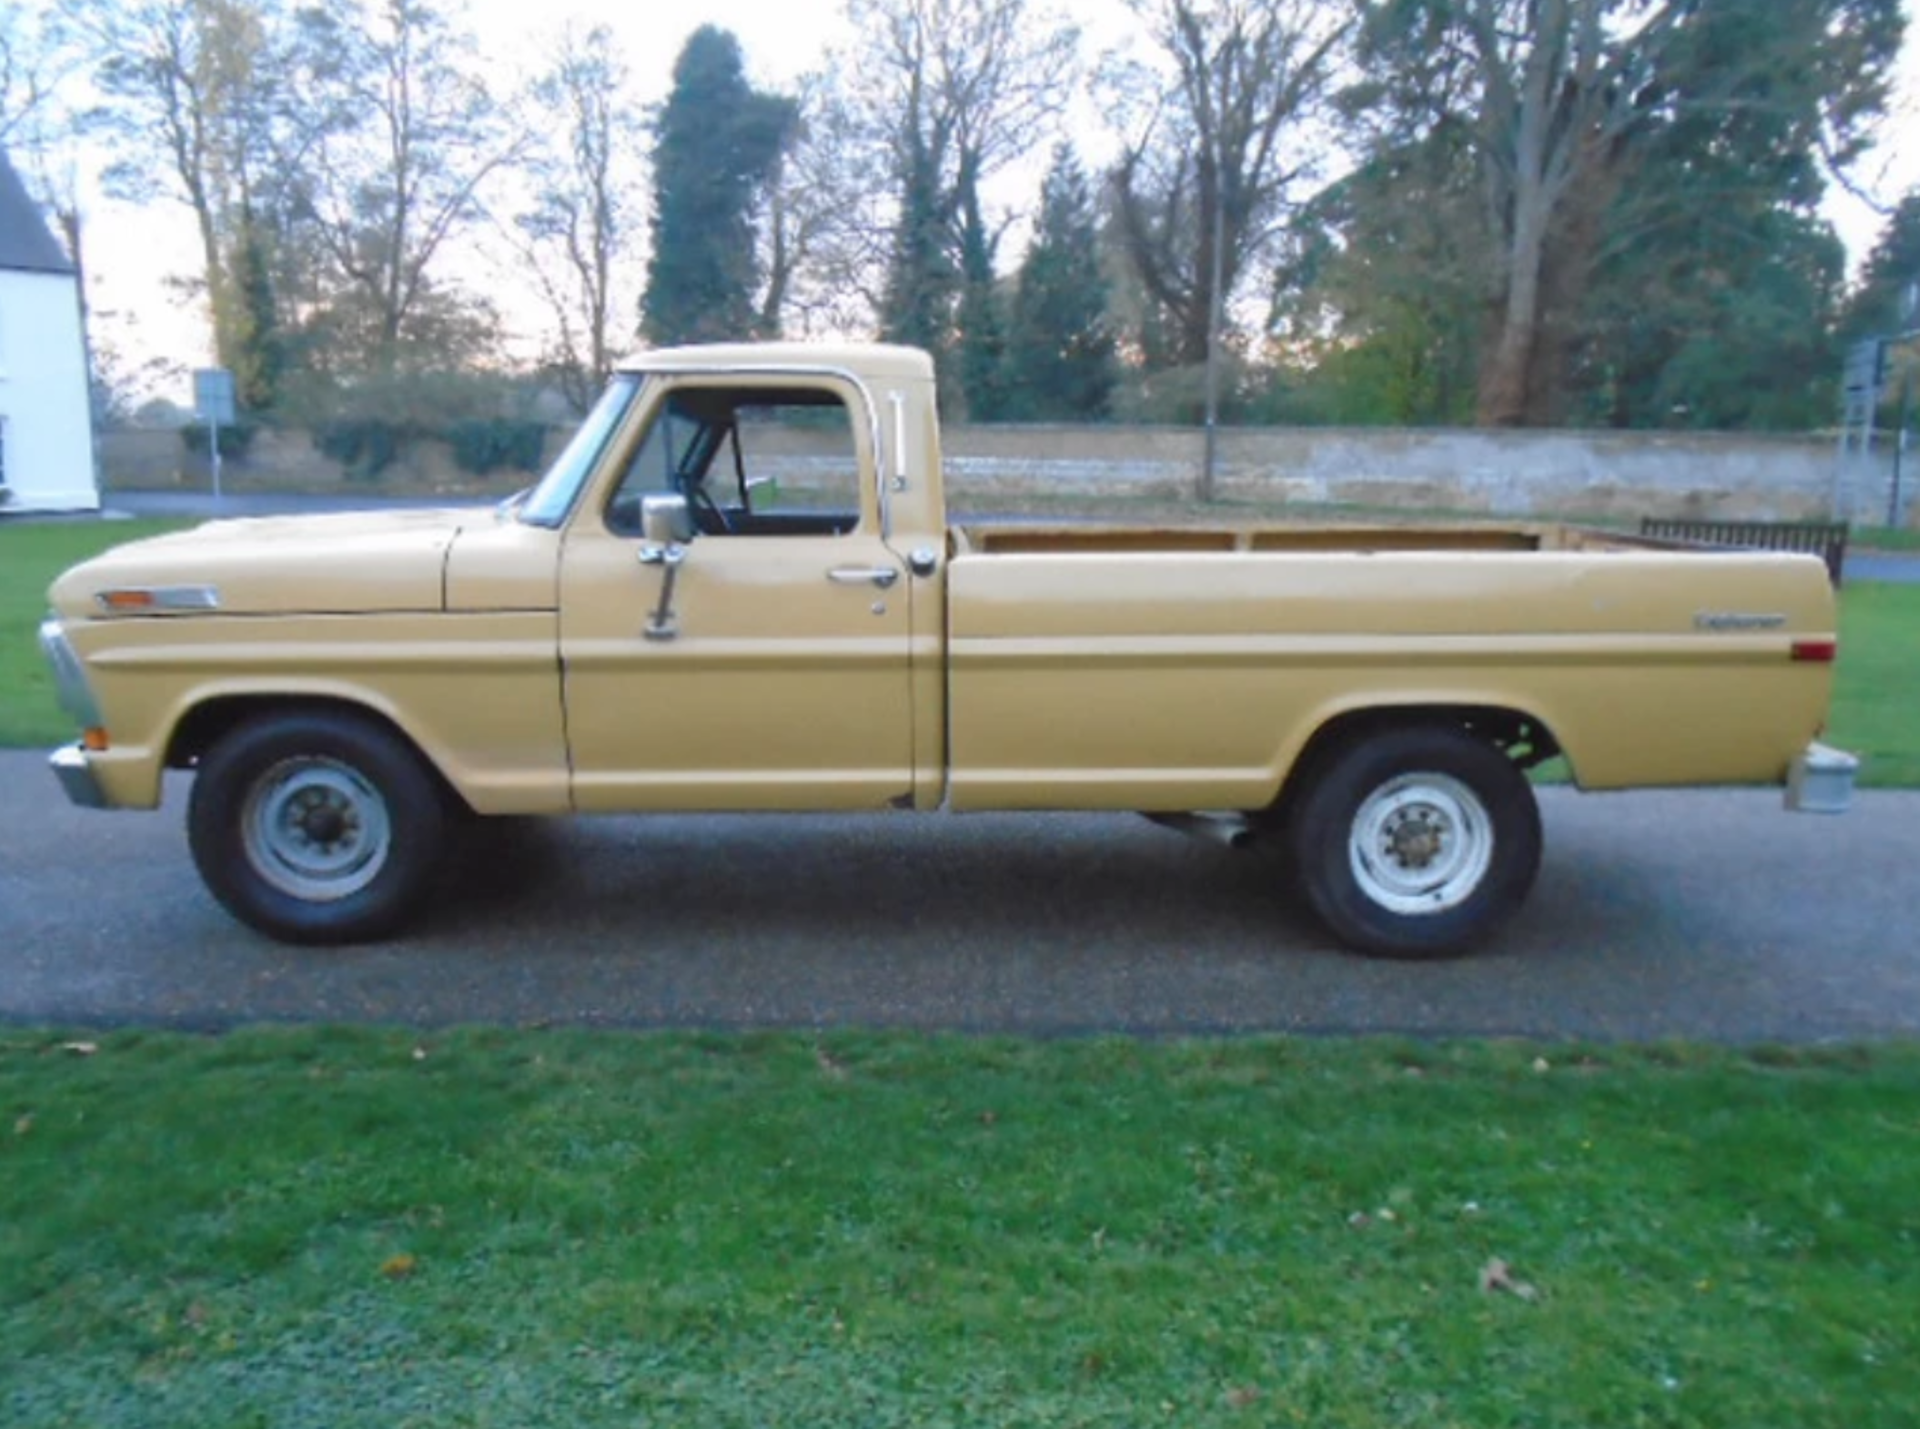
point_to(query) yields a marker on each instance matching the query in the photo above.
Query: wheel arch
(1519, 734)
(209, 720)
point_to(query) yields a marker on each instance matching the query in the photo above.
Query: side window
(751, 461)
(660, 463)
(800, 461)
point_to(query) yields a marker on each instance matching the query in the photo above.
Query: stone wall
(1582, 474)
(1590, 474)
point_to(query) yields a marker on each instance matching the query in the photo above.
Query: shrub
(235, 439)
(365, 446)
(486, 444)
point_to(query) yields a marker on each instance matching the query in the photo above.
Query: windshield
(548, 503)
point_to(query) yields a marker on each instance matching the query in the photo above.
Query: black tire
(1414, 841)
(316, 826)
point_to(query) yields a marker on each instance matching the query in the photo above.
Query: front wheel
(1415, 842)
(316, 826)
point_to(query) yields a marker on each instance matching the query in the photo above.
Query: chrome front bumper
(76, 777)
(1820, 781)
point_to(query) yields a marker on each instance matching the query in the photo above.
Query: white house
(46, 422)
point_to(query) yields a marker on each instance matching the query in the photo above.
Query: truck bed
(1184, 668)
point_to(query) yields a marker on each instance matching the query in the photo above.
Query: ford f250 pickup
(736, 589)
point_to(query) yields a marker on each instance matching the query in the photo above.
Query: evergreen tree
(1060, 358)
(1625, 157)
(1878, 307)
(920, 271)
(982, 336)
(717, 144)
(260, 361)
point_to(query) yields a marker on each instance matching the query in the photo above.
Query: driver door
(784, 682)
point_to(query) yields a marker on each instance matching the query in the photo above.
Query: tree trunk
(1506, 375)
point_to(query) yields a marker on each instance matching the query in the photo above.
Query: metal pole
(213, 454)
(1213, 342)
(1840, 457)
(1899, 444)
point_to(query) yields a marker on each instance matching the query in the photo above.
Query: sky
(133, 252)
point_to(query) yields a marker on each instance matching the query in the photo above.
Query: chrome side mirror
(665, 519)
(666, 525)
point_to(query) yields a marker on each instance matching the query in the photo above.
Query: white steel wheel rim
(1421, 844)
(316, 829)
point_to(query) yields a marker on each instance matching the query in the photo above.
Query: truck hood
(345, 563)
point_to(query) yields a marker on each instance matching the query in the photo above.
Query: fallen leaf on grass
(1242, 1397)
(80, 1049)
(399, 1267)
(1497, 1275)
(23, 1123)
(829, 1064)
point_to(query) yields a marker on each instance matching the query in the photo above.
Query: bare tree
(39, 56)
(951, 92)
(1212, 169)
(396, 174)
(203, 82)
(824, 233)
(578, 234)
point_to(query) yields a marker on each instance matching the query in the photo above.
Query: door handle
(882, 576)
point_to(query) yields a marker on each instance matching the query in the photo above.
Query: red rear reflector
(1818, 652)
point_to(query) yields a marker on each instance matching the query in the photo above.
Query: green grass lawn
(31, 555)
(338, 1227)
(1886, 538)
(1876, 705)
(1876, 700)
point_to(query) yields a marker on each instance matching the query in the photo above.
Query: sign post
(213, 404)
(1861, 381)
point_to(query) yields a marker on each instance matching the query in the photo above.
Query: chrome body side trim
(69, 675)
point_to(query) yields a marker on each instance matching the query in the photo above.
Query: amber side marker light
(129, 599)
(94, 739)
(1816, 652)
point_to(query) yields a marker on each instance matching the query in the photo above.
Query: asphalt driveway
(1697, 914)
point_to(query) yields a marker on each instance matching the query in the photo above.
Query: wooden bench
(1825, 539)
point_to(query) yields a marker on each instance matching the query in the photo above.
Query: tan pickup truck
(736, 590)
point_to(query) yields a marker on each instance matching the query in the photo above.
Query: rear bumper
(1820, 781)
(77, 778)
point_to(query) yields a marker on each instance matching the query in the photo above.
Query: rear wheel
(316, 826)
(1415, 842)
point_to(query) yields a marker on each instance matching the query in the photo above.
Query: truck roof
(865, 359)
